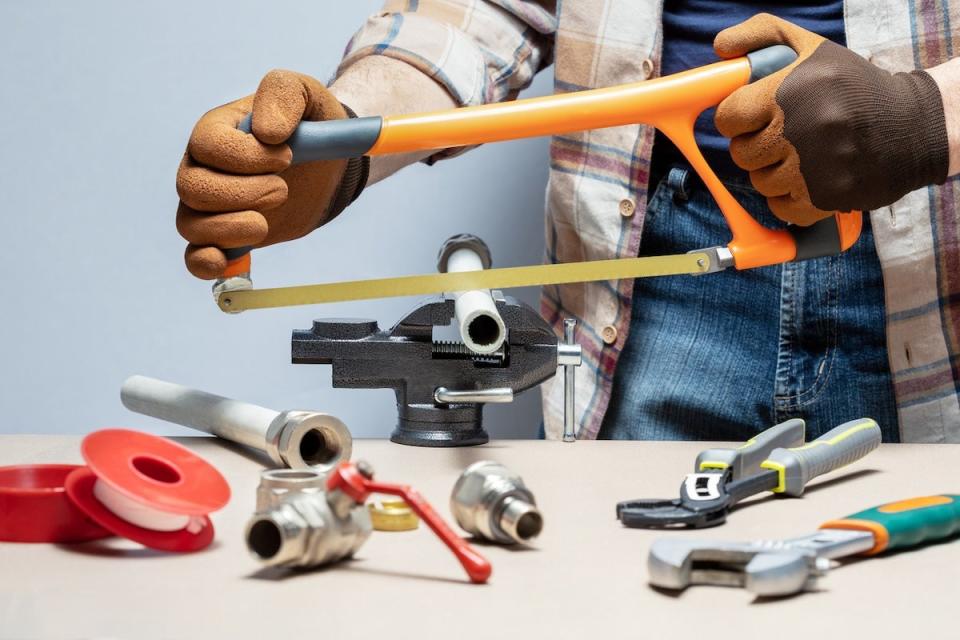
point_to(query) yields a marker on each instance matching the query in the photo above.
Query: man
(875, 332)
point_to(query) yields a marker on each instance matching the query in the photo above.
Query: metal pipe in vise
(297, 439)
(481, 327)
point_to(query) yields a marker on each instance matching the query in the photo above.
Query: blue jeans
(726, 355)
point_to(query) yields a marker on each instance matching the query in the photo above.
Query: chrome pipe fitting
(295, 524)
(491, 502)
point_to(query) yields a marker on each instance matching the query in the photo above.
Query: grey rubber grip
(768, 60)
(237, 252)
(819, 240)
(745, 460)
(330, 139)
(836, 448)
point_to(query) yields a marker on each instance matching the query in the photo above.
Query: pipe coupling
(295, 524)
(308, 440)
(491, 502)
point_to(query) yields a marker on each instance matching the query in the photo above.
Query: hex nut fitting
(493, 503)
(308, 440)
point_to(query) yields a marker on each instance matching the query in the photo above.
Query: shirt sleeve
(480, 50)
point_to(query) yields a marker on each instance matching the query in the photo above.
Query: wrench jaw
(676, 564)
(783, 573)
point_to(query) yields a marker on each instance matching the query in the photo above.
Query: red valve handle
(348, 479)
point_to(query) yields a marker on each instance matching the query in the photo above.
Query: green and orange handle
(907, 523)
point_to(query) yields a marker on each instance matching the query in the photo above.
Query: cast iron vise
(441, 386)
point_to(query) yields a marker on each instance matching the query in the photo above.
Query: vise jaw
(440, 386)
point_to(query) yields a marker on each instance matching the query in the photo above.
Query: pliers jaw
(703, 503)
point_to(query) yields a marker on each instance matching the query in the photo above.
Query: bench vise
(441, 386)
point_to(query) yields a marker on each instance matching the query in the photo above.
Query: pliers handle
(745, 460)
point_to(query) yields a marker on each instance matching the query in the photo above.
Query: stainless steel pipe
(297, 439)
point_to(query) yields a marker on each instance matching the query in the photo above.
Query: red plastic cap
(34, 506)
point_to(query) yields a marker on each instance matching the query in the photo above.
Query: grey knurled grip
(836, 448)
(746, 459)
(463, 241)
(330, 139)
(769, 60)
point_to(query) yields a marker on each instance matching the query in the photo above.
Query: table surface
(585, 576)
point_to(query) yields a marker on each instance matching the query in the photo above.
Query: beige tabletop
(585, 577)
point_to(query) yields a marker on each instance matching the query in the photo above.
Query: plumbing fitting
(481, 327)
(491, 502)
(297, 439)
(392, 515)
(296, 526)
(306, 520)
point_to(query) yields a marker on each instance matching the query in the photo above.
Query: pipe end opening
(265, 539)
(484, 331)
(316, 448)
(529, 526)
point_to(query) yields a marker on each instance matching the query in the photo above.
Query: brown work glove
(830, 132)
(238, 189)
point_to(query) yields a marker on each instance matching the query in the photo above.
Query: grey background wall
(98, 99)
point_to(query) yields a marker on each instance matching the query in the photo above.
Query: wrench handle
(906, 523)
(836, 448)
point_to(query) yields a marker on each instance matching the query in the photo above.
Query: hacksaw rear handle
(670, 103)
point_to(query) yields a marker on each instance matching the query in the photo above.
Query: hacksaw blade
(236, 300)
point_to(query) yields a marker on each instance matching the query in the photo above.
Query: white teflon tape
(141, 515)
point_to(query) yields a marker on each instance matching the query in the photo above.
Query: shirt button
(609, 334)
(647, 67)
(627, 207)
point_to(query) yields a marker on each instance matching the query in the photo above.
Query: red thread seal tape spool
(34, 506)
(148, 489)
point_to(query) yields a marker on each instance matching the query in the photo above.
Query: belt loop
(679, 180)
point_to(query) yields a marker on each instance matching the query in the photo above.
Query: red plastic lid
(34, 506)
(156, 473)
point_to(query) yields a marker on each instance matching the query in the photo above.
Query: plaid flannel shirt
(488, 51)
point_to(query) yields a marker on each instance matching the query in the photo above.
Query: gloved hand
(831, 131)
(238, 189)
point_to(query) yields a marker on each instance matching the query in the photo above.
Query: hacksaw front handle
(670, 103)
